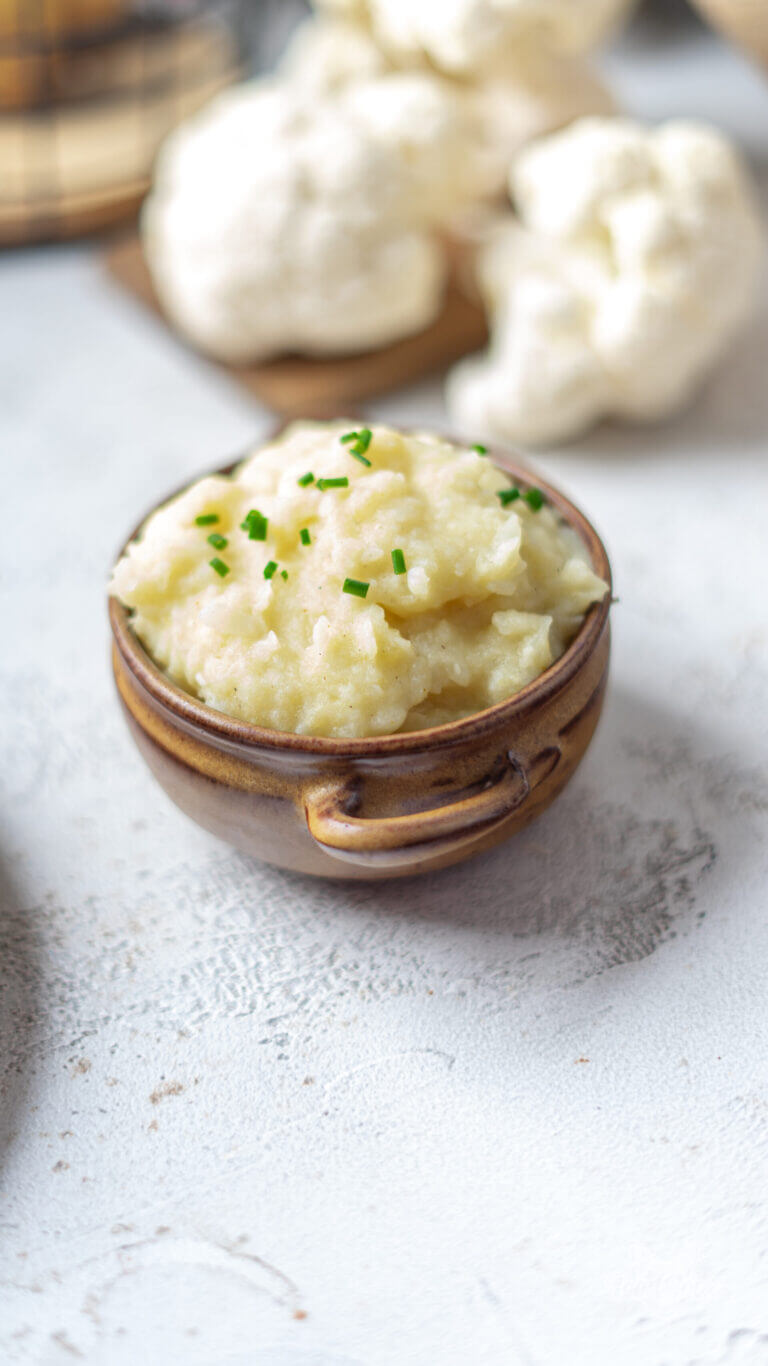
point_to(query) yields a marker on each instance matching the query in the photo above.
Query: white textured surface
(514, 1114)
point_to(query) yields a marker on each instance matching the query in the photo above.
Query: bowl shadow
(614, 868)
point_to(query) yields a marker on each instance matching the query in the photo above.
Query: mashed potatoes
(278, 599)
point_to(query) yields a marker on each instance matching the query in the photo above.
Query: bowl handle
(399, 841)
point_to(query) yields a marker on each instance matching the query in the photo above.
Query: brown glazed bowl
(387, 806)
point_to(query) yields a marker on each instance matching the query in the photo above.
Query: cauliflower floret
(536, 92)
(276, 224)
(325, 54)
(435, 133)
(430, 123)
(457, 134)
(633, 264)
(469, 36)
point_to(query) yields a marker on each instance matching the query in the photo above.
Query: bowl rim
(201, 717)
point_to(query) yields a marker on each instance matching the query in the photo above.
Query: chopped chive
(207, 519)
(341, 483)
(398, 561)
(269, 569)
(307, 478)
(256, 525)
(218, 541)
(355, 587)
(506, 496)
(221, 568)
(358, 443)
(283, 573)
(481, 450)
(534, 498)
(304, 536)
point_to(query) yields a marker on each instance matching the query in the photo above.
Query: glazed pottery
(386, 806)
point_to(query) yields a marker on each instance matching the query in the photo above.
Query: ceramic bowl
(390, 805)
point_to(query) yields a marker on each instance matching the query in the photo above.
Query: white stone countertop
(514, 1114)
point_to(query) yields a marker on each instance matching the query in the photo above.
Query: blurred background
(89, 89)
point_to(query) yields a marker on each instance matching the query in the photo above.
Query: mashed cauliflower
(277, 600)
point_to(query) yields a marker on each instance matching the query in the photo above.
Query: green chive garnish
(534, 498)
(256, 525)
(218, 541)
(506, 496)
(481, 450)
(269, 569)
(355, 587)
(398, 561)
(341, 483)
(358, 443)
(207, 519)
(221, 568)
(304, 536)
(307, 478)
(283, 573)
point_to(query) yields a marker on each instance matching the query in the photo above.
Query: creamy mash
(278, 599)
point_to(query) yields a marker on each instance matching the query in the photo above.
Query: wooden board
(299, 387)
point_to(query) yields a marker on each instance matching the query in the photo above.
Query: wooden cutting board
(295, 386)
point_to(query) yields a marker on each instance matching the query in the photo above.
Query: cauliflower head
(458, 134)
(469, 36)
(631, 266)
(324, 54)
(537, 92)
(436, 135)
(277, 224)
